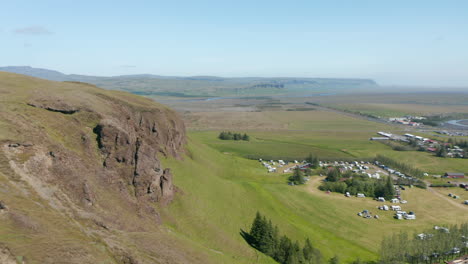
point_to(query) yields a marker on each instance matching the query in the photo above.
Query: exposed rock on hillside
(5, 256)
(131, 143)
(87, 160)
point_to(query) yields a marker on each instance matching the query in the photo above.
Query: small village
(443, 149)
(374, 170)
(407, 120)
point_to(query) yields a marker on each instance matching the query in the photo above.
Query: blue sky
(407, 42)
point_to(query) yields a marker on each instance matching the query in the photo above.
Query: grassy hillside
(220, 194)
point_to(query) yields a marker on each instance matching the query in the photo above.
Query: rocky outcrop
(54, 106)
(6, 257)
(131, 145)
(80, 168)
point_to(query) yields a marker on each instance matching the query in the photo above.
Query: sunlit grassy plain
(221, 189)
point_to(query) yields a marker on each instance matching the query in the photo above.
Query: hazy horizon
(417, 43)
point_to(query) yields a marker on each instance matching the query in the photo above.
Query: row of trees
(402, 167)
(233, 136)
(357, 183)
(458, 142)
(266, 238)
(431, 246)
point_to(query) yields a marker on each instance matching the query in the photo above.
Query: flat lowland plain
(393, 104)
(400, 109)
(294, 134)
(229, 186)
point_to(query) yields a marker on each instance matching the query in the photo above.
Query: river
(462, 122)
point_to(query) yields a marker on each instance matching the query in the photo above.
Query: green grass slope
(220, 194)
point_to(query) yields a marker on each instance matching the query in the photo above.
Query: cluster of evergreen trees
(431, 246)
(297, 177)
(441, 152)
(233, 136)
(313, 160)
(357, 183)
(458, 142)
(266, 238)
(442, 149)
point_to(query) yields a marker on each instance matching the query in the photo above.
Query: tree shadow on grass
(247, 237)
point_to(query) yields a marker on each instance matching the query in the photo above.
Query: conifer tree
(298, 252)
(297, 177)
(334, 260)
(333, 175)
(229, 136)
(389, 190)
(441, 152)
(282, 253)
(257, 229)
(308, 251)
(222, 135)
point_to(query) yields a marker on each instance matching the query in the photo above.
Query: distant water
(458, 122)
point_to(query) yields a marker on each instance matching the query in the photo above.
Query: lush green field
(329, 135)
(221, 192)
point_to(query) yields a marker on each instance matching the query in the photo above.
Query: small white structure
(360, 195)
(348, 194)
(399, 216)
(403, 201)
(410, 216)
(421, 236)
(396, 208)
(395, 200)
(381, 199)
(295, 161)
(385, 207)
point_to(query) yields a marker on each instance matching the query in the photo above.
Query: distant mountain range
(149, 84)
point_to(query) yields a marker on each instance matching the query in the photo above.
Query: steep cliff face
(130, 140)
(131, 143)
(86, 159)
